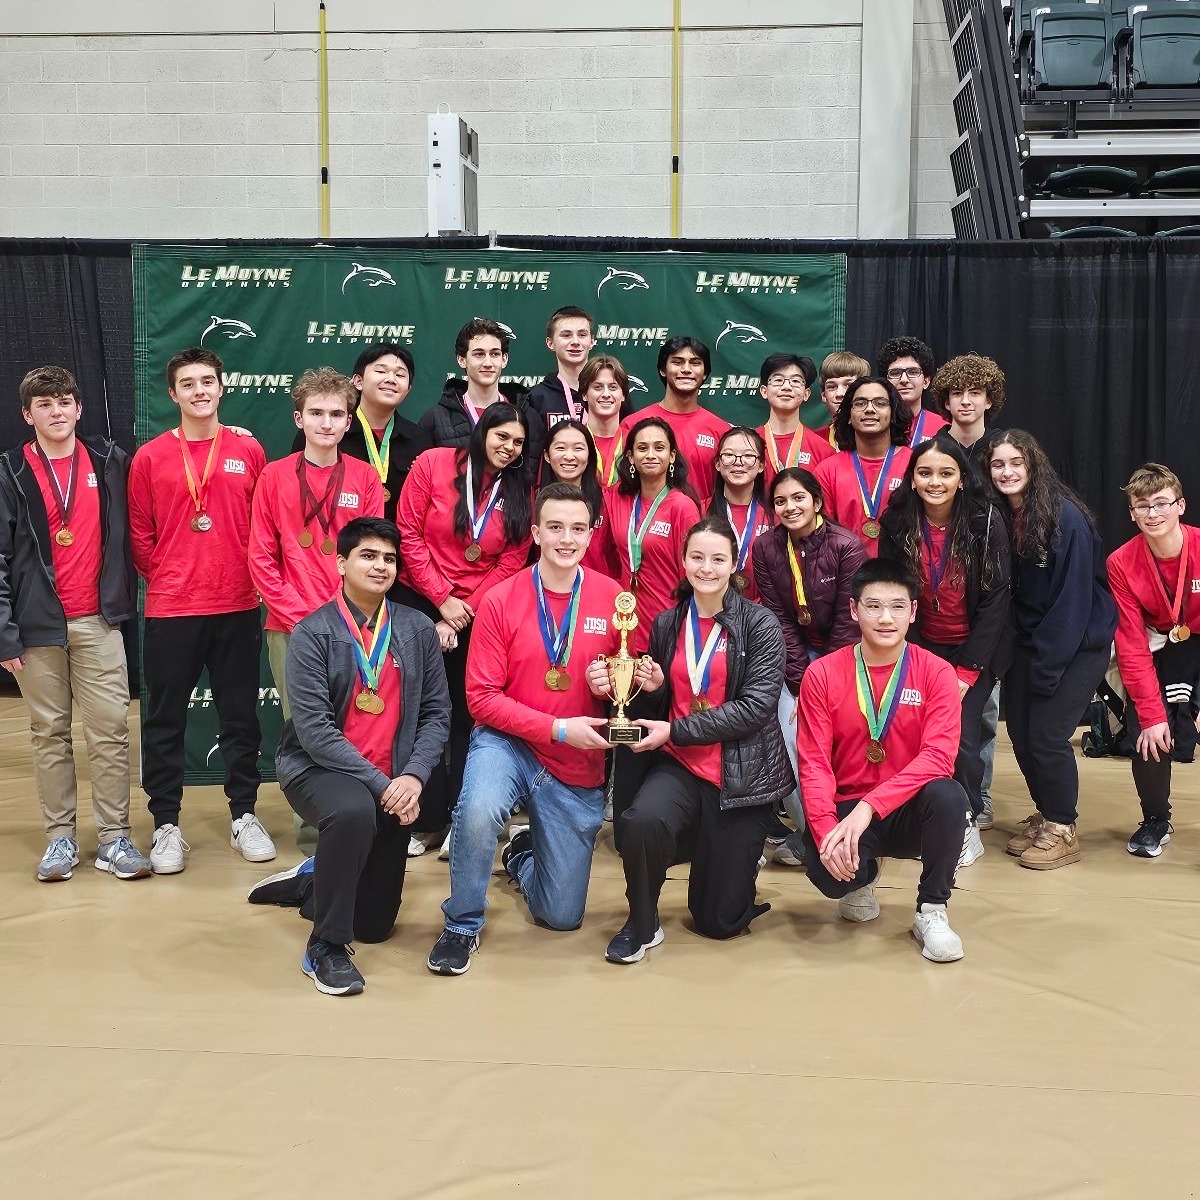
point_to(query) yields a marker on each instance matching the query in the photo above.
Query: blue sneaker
(61, 855)
(123, 859)
(328, 965)
(287, 888)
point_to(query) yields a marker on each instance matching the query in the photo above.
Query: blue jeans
(563, 823)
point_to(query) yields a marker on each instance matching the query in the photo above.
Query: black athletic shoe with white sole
(451, 953)
(286, 888)
(328, 965)
(1149, 838)
(626, 948)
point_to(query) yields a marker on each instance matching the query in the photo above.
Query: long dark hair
(808, 481)
(588, 483)
(628, 483)
(901, 418)
(906, 513)
(1041, 504)
(716, 506)
(514, 490)
(710, 524)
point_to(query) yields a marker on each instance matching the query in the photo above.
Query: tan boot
(1054, 845)
(1026, 832)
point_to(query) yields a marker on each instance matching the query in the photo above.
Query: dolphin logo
(372, 276)
(625, 280)
(512, 337)
(636, 385)
(744, 333)
(229, 327)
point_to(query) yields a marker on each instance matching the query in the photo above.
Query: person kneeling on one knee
(716, 759)
(877, 735)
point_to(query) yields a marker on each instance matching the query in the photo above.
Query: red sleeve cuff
(967, 675)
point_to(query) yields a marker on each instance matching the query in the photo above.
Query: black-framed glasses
(1157, 509)
(731, 459)
(905, 373)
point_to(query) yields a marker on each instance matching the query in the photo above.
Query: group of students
(821, 619)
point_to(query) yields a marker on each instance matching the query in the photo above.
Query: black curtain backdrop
(1100, 341)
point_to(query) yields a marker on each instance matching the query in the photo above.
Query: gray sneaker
(61, 855)
(123, 859)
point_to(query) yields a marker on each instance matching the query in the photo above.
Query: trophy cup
(621, 730)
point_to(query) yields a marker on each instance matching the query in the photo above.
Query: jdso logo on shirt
(595, 625)
(348, 500)
(1195, 582)
(91, 482)
(706, 441)
(893, 484)
(911, 696)
(660, 529)
(235, 466)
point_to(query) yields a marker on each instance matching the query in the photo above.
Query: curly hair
(965, 372)
(905, 347)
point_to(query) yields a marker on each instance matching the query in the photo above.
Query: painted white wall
(145, 133)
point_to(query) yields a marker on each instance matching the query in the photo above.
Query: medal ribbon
(872, 498)
(558, 639)
(609, 477)
(322, 509)
(1176, 605)
(64, 503)
(746, 537)
(379, 456)
(879, 720)
(199, 491)
(369, 659)
(575, 414)
(793, 455)
(635, 539)
(797, 575)
(479, 524)
(937, 571)
(918, 427)
(699, 668)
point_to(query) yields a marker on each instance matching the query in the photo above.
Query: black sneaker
(625, 947)
(451, 953)
(519, 840)
(1150, 837)
(287, 888)
(328, 965)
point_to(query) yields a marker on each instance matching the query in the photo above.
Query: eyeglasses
(870, 402)
(905, 373)
(1157, 509)
(791, 381)
(730, 459)
(876, 608)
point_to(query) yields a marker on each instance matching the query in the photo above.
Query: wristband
(560, 730)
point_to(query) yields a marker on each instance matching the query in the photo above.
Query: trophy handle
(643, 658)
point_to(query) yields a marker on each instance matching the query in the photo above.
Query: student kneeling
(719, 763)
(877, 736)
(370, 717)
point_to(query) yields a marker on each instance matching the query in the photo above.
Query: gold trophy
(621, 730)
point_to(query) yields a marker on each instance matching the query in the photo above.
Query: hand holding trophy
(621, 730)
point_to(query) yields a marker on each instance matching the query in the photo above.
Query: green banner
(272, 311)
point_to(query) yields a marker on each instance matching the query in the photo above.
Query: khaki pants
(92, 672)
(277, 644)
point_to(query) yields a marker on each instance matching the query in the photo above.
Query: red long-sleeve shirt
(814, 450)
(925, 425)
(294, 580)
(832, 736)
(843, 499)
(190, 574)
(696, 434)
(704, 761)
(762, 524)
(1144, 616)
(507, 665)
(435, 562)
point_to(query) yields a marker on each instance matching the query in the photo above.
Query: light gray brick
(285, 66)
(775, 61)
(408, 66)
(218, 191)
(20, 66)
(634, 127)
(201, 222)
(494, 129)
(202, 130)
(405, 129)
(300, 222)
(705, 221)
(275, 129)
(211, 66)
(597, 95)
(450, 39)
(375, 96)
(304, 97)
(47, 222)
(608, 164)
(563, 128)
(733, 158)
(172, 160)
(300, 160)
(264, 222)
(935, 186)
(569, 62)
(144, 131)
(112, 160)
(42, 98)
(650, 93)
(709, 191)
(547, 223)
(618, 222)
(934, 221)
(389, 160)
(259, 96)
(834, 187)
(142, 66)
(39, 44)
(463, 96)
(632, 62)
(45, 160)
(179, 98)
(251, 160)
(771, 190)
(831, 220)
(527, 95)
(73, 66)
(734, 93)
(834, 122)
(101, 98)
(24, 130)
(705, 124)
(6, 223)
(272, 192)
(651, 158)
(509, 162)
(348, 129)
(56, 196)
(488, 64)
(160, 192)
(708, 62)
(358, 64)
(399, 192)
(5, 160)
(567, 191)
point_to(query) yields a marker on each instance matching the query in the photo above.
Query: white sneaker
(972, 847)
(167, 850)
(416, 847)
(859, 905)
(252, 841)
(781, 854)
(931, 928)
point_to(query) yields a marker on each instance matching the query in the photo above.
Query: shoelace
(938, 915)
(61, 847)
(166, 837)
(322, 949)
(122, 846)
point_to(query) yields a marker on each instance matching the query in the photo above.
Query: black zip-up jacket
(30, 612)
(754, 762)
(447, 422)
(549, 402)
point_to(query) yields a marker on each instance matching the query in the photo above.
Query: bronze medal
(473, 552)
(64, 537)
(564, 681)
(387, 495)
(871, 529)
(741, 580)
(202, 523)
(305, 539)
(875, 752)
(552, 679)
(633, 582)
(369, 702)
(1180, 633)
(804, 615)
(328, 546)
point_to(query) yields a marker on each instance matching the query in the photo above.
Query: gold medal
(64, 537)
(305, 539)
(804, 615)
(875, 752)
(473, 552)
(369, 702)
(741, 580)
(202, 523)
(1180, 633)
(552, 679)
(328, 546)
(871, 529)
(699, 704)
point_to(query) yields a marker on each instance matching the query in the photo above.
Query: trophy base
(623, 734)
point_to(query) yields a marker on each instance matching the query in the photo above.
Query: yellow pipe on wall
(675, 115)
(323, 60)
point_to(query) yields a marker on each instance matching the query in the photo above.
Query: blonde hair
(324, 381)
(842, 363)
(1152, 477)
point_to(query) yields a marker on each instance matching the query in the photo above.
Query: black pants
(1178, 667)
(440, 794)
(673, 805)
(1041, 728)
(358, 874)
(174, 652)
(930, 827)
(968, 766)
